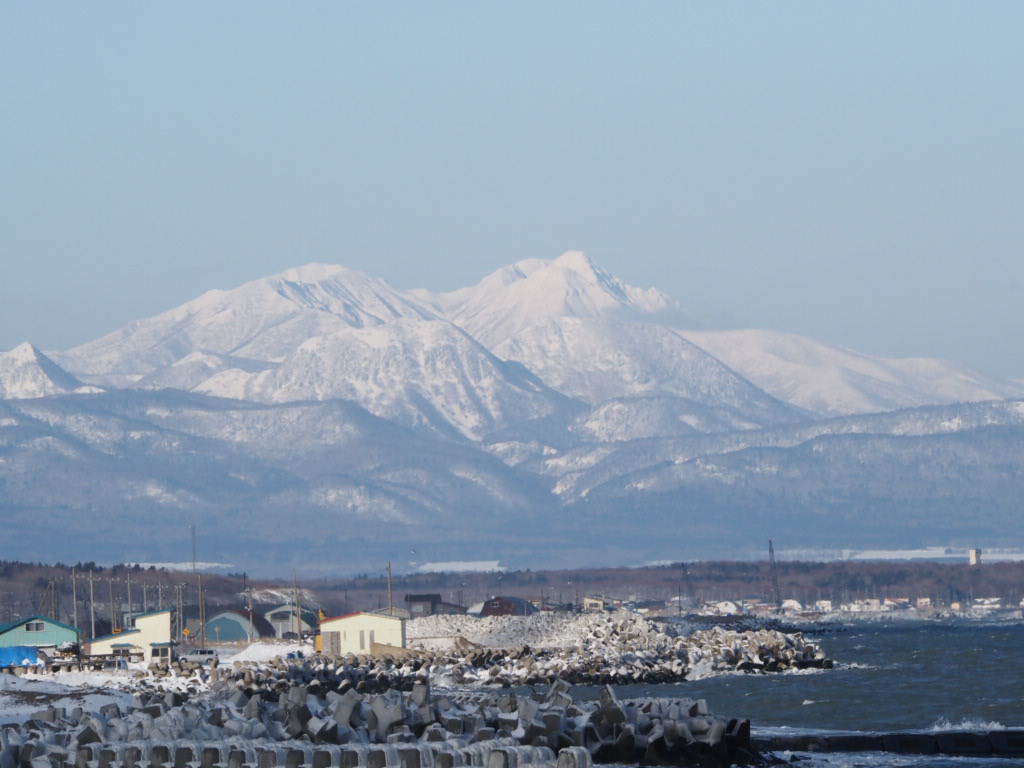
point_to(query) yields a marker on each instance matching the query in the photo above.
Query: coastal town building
(237, 626)
(430, 605)
(507, 606)
(150, 639)
(359, 632)
(37, 632)
(290, 623)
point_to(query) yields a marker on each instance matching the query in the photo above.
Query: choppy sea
(889, 676)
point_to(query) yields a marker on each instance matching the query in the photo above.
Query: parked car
(200, 655)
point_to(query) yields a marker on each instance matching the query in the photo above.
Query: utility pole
(113, 623)
(181, 610)
(128, 574)
(92, 609)
(74, 599)
(298, 606)
(202, 614)
(391, 600)
(249, 595)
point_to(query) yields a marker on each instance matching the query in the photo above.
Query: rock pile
(304, 714)
(598, 649)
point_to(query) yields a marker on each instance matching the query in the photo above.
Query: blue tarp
(18, 656)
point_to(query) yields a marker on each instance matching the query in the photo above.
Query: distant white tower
(974, 556)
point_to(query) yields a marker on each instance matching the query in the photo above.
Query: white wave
(967, 724)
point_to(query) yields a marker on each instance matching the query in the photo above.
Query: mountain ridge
(546, 413)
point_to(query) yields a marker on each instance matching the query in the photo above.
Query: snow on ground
(542, 630)
(21, 696)
(265, 651)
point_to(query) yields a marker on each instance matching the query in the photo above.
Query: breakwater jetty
(598, 649)
(303, 715)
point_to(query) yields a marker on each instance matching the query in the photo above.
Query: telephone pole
(202, 614)
(298, 606)
(391, 600)
(92, 609)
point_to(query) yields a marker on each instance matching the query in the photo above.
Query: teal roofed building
(38, 632)
(236, 626)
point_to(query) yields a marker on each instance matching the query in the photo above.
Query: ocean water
(889, 676)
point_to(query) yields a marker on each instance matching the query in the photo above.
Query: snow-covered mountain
(829, 379)
(265, 320)
(580, 330)
(533, 291)
(599, 360)
(548, 410)
(319, 484)
(25, 372)
(415, 372)
(326, 485)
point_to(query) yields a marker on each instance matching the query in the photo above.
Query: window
(35, 626)
(162, 653)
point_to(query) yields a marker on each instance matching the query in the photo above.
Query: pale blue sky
(850, 171)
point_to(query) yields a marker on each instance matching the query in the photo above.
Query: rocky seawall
(598, 649)
(380, 712)
(307, 713)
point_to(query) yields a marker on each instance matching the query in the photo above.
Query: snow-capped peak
(534, 291)
(25, 372)
(266, 320)
(314, 272)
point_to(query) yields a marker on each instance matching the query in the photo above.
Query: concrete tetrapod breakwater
(310, 723)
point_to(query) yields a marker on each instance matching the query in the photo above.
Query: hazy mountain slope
(829, 379)
(26, 372)
(263, 320)
(325, 484)
(139, 467)
(644, 466)
(834, 492)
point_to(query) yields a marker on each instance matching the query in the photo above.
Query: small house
(149, 639)
(507, 606)
(38, 632)
(593, 604)
(430, 605)
(358, 632)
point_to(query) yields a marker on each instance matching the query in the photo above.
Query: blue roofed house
(38, 632)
